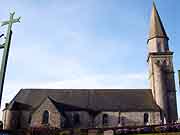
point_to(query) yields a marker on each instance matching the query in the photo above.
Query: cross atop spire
(156, 27)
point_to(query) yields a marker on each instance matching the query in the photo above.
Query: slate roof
(126, 100)
(19, 106)
(156, 25)
(62, 107)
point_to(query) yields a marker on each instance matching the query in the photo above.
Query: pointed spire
(156, 26)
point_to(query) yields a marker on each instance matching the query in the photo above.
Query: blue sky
(84, 44)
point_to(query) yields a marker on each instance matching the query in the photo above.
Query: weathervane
(6, 46)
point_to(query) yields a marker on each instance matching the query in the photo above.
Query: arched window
(123, 121)
(146, 118)
(105, 119)
(119, 118)
(45, 119)
(166, 46)
(30, 117)
(64, 123)
(76, 119)
(159, 46)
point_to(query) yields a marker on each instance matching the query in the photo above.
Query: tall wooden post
(6, 47)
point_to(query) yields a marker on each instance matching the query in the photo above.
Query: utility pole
(6, 47)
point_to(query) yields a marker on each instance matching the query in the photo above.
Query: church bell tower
(161, 73)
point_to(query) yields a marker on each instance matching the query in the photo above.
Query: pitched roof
(61, 107)
(18, 106)
(156, 25)
(94, 99)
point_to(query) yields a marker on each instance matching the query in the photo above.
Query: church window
(164, 62)
(45, 119)
(158, 46)
(76, 119)
(105, 120)
(64, 123)
(146, 118)
(158, 62)
(123, 121)
(30, 117)
(119, 118)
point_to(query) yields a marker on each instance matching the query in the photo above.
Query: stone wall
(127, 119)
(10, 119)
(155, 118)
(115, 119)
(15, 119)
(54, 115)
(24, 119)
(84, 118)
(158, 45)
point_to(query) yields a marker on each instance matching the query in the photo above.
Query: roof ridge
(87, 89)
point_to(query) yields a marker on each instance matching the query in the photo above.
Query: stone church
(83, 108)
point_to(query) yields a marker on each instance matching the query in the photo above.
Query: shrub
(126, 131)
(99, 132)
(64, 133)
(163, 129)
(119, 131)
(157, 129)
(177, 127)
(133, 131)
(77, 131)
(84, 132)
(147, 130)
(174, 128)
(139, 130)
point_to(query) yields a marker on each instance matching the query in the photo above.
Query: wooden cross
(6, 47)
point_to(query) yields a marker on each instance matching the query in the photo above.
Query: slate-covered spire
(156, 26)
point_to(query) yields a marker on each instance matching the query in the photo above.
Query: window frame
(44, 119)
(105, 119)
(146, 118)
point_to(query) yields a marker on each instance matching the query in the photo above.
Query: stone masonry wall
(10, 119)
(24, 119)
(54, 115)
(84, 118)
(129, 118)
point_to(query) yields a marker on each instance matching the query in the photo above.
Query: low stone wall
(173, 129)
